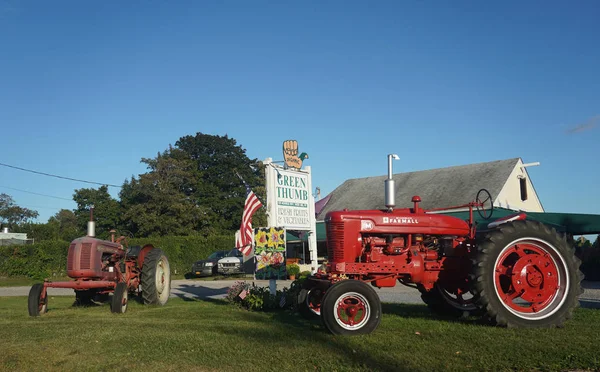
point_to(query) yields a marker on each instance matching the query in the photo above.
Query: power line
(35, 193)
(56, 176)
(37, 207)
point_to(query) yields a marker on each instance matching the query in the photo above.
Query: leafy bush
(305, 274)
(234, 291)
(589, 254)
(37, 261)
(48, 258)
(254, 298)
(293, 269)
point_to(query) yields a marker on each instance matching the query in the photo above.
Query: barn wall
(510, 195)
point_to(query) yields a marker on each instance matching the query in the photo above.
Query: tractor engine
(388, 245)
(93, 258)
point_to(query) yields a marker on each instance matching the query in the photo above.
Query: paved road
(217, 289)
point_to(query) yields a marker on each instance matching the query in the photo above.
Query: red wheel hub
(527, 272)
(351, 310)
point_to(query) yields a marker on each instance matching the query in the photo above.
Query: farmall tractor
(100, 267)
(516, 273)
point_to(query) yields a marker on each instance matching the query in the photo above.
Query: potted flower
(292, 270)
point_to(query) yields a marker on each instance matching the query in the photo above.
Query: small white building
(8, 238)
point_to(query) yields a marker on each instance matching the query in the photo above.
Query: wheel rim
(124, 299)
(352, 311)
(313, 300)
(531, 278)
(43, 305)
(162, 279)
(457, 297)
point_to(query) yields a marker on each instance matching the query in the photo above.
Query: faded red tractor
(100, 267)
(517, 273)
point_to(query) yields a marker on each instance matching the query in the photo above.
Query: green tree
(219, 189)
(192, 188)
(161, 201)
(66, 225)
(106, 210)
(11, 215)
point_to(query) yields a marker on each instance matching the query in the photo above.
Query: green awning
(572, 223)
(297, 236)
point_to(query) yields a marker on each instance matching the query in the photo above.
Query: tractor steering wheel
(483, 197)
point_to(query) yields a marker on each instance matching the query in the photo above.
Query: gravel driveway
(217, 289)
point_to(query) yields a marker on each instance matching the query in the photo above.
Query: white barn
(507, 181)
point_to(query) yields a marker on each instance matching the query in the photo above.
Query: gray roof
(442, 187)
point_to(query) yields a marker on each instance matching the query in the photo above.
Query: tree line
(191, 188)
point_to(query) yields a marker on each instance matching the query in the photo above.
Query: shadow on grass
(198, 293)
(413, 311)
(284, 328)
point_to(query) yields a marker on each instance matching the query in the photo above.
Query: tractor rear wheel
(351, 307)
(37, 302)
(526, 275)
(119, 299)
(156, 278)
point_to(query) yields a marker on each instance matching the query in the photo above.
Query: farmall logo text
(400, 220)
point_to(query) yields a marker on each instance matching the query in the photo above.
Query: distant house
(507, 181)
(8, 238)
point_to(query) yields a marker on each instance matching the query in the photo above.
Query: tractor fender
(142, 255)
(513, 217)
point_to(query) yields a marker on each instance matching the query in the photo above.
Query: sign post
(290, 203)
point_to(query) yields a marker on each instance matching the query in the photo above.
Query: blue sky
(89, 88)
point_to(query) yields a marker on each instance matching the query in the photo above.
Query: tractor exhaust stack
(91, 228)
(390, 187)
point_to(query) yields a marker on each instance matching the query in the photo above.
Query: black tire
(156, 278)
(310, 299)
(363, 308)
(444, 303)
(120, 299)
(533, 264)
(36, 303)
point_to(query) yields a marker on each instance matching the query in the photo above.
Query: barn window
(523, 186)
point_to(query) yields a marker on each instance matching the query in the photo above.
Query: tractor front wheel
(156, 278)
(37, 302)
(351, 307)
(527, 275)
(119, 299)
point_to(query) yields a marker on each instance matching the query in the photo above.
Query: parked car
(208, 266)
(231, 263)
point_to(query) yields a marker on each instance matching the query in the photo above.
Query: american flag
(244, 239)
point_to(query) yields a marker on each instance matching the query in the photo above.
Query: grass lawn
(191, 335)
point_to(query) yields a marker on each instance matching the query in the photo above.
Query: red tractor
(100, 267)
(518, 273)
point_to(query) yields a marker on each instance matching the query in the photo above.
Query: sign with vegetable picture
(269, 251)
